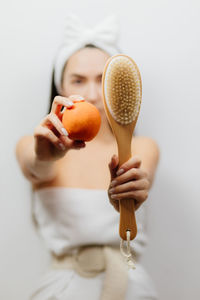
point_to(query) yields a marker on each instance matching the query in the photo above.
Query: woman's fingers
(134, 162)
(51, 138)
(115, 204)
(58, 103)
(142, 184)
(42, 132)
(131, 174)
(113, 166)
(61, 103)
(77, 144)
(52, 120)
(76, 98)
(139, 196)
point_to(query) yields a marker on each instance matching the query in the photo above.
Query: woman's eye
(78, 81)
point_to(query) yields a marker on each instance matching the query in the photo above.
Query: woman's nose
(92, 93)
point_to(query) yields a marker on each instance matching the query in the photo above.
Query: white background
(163, 38)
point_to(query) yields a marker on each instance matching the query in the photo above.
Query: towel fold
(89, 261)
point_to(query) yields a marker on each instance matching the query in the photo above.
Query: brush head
(122, 88)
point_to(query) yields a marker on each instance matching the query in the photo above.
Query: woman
(75, 202)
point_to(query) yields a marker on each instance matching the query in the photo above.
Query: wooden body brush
(122, 93)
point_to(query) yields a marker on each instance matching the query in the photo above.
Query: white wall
(163, 38)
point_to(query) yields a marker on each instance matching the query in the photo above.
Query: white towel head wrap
(77, 36)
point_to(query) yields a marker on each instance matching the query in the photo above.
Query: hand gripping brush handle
(122, 93)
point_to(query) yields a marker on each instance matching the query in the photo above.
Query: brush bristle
(122, 89)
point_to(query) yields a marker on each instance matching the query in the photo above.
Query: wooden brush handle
(127, 208)
(127, 219)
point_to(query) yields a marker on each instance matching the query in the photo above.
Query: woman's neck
(105, 134)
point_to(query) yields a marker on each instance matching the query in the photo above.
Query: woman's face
(83, 74)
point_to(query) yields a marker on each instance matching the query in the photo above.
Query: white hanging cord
(127, 254)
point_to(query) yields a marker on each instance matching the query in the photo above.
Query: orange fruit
(82, 121)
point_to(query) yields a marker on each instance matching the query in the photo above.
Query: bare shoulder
(147, 150)
(141, 141)
(144, 144)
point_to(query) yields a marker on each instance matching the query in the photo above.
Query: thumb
(113, 166)
(72, 144)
